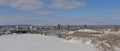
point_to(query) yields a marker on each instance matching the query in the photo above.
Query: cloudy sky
(52, 12)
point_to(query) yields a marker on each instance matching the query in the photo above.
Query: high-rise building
(58, 27)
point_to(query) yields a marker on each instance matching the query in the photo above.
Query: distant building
(31, 27)
(59, 27)
(17, 27)
(67, 27)
(85, 26)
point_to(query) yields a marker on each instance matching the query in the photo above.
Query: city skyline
(66, 12)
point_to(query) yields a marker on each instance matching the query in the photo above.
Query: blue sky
(53, 12)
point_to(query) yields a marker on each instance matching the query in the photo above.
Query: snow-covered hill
(105, 42)
(35, 42)
(85, 31)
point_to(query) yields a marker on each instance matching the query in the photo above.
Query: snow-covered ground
(87, 30)
(108, 31)
(35, 42)
(106, 41)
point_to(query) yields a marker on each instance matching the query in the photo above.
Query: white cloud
(27, 4)
(38, 4)
(2, 2)
(24, 4)
(67, 4)
(44, 12)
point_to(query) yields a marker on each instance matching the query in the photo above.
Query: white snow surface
(35, 42)
(71, 32)
(87, 30)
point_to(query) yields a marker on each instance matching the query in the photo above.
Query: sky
(53, 12)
